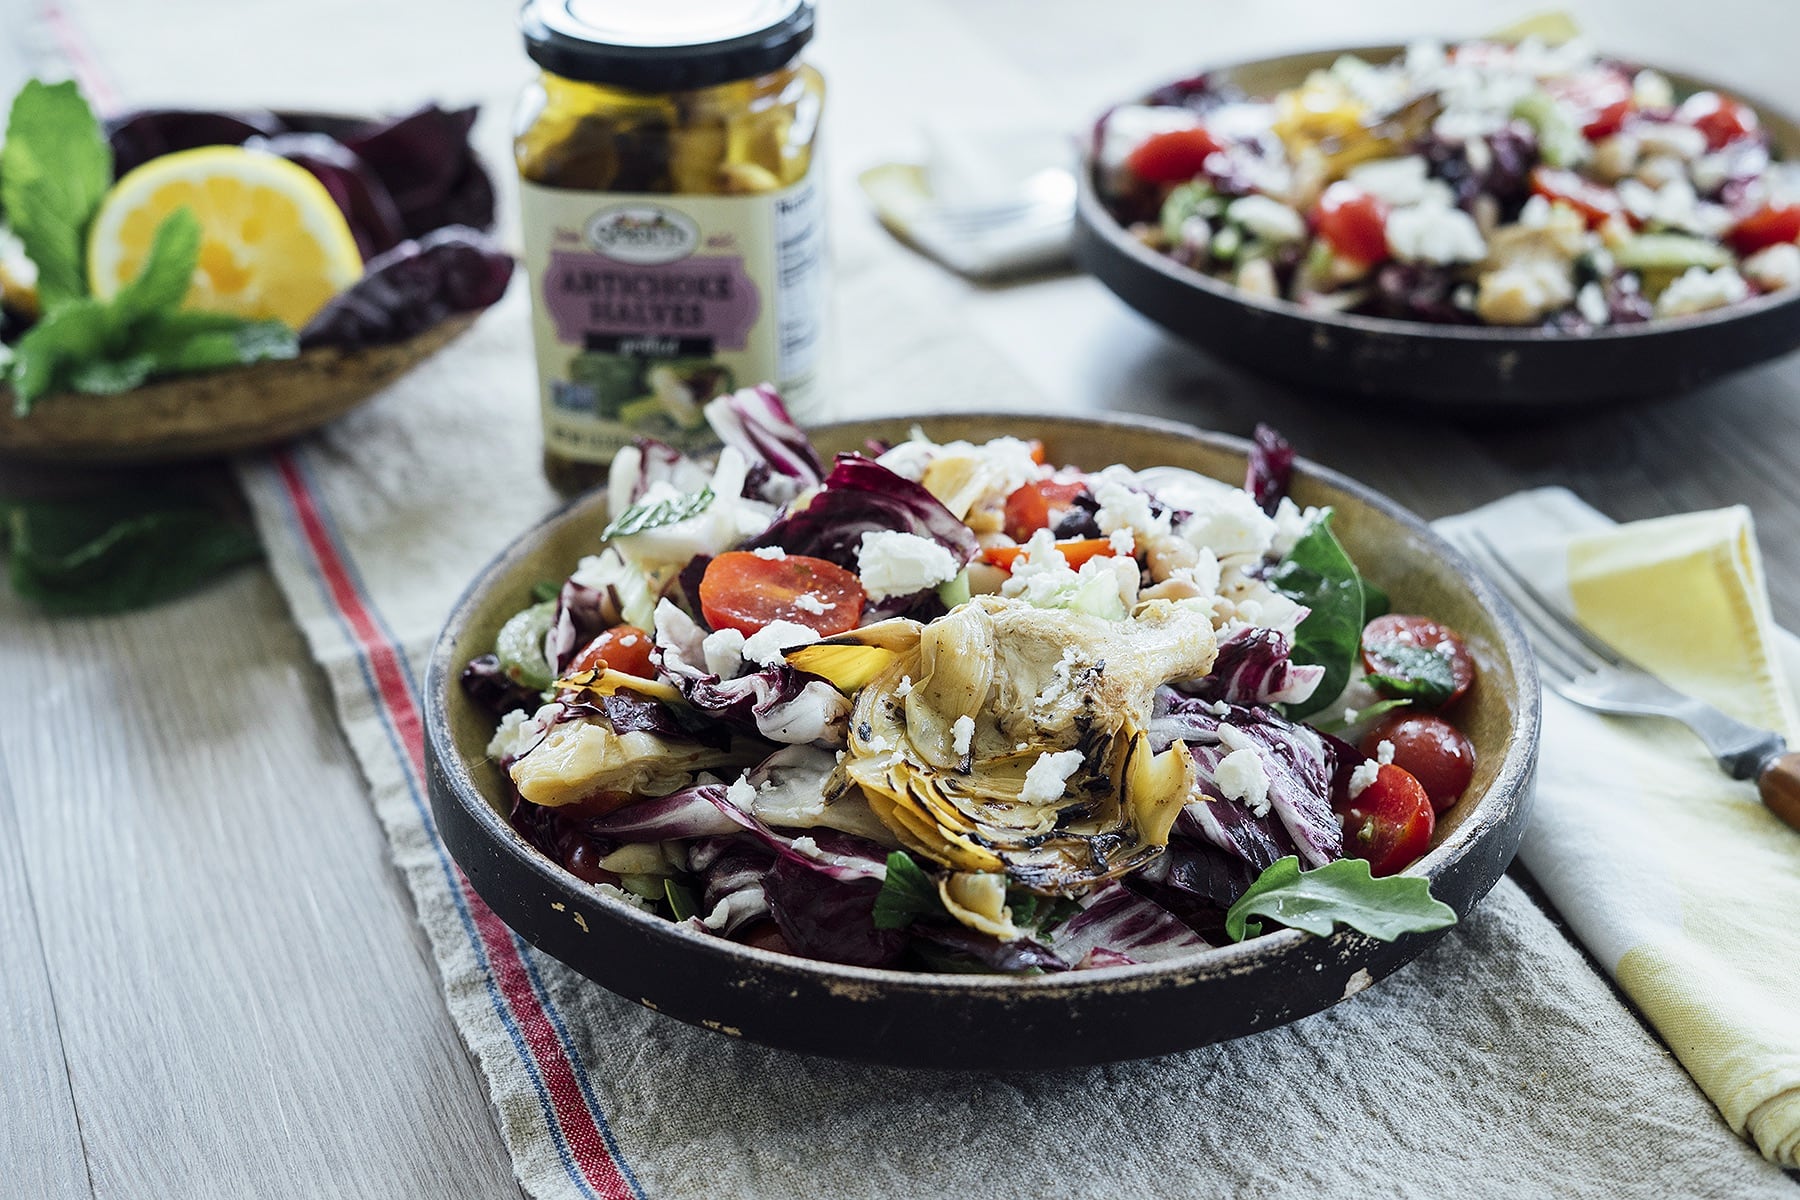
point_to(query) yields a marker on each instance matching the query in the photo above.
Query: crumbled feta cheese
(1269, 220)
(1048, 776)
(1652, 89)
(1698, 290)
(1523, 293)
(1130, 125)
(1291, 524)
(1126, 508)
(1363, 777)
(1399, 182)
(1590, 301)
(1535, 214)
(891, 563)
(905, 688)
(518, 732)
(1434, 234)
(723, 650)
(1195, 233)
(1774, 267)
(1240, 776)
(741, 793)
(769, 552)
(1229, 523)
(962, 735)
(1350, 715)
(1670, 139)
(1122, 542)
(1674, 205)
(1384, 752)
(764, 647)
(909, 459)
(807, 602)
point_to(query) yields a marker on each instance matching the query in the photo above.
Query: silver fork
(1586, 671)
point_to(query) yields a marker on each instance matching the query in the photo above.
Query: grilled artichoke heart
(951, 717)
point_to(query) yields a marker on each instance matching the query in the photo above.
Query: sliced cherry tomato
(624, 648)
(1037, 451)
(1431, 750)
(1390, 822)
(744, 591)
(1594, 202)
(1392, 647)
(1075, 550)
(1038, 506)
(1722, 119)
(1353, 223)
(1173, 157)
(1768, 226)
(1600, 97)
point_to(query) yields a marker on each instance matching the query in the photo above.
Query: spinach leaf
(640, 517)
(1338, 893)
(1319, 574)
(55, 165)
(1412, 673)
(907, 893)
(116, 552)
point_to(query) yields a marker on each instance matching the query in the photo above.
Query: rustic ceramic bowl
(1457, 370)
(990, 1021)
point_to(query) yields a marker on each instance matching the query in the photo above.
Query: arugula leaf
(1416, 673)
(55, 166)
(1319, 574)
(116, 552)
(907, 893)
(104, 347)
(1338, 893)
(640, 517)
(681, 899)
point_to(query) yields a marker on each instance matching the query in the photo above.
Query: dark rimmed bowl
(975, 1021)
(1457, 370)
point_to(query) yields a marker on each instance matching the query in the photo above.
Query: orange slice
(274, 244)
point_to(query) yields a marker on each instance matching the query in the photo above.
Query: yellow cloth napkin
(1675, 876)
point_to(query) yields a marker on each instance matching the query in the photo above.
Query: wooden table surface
(211, 982)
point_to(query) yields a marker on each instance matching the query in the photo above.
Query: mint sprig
(641, 517)
(55, 166)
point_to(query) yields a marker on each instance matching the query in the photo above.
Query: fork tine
(1595, 646)
(1554, 635)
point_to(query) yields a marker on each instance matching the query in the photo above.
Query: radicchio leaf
(985, 950)
(733, 873)
(830, 918)
(862, 496)
(1253, 667)
(1271, 468)
(780, 703)
(487, 684)
(426, 162)
(1125, 926)
(138, 137)
(756, 421)
(412, 287)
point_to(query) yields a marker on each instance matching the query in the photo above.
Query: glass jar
(674, 227)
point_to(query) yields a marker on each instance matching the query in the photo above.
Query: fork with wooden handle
(1586, 671)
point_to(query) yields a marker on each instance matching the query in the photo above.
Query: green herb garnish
(641, 517)
(681, 900)
(55, 165)
(1415, 673)
(906, 894)
(1338, 893)
(1319, 574)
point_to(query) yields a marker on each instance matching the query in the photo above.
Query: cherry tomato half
(1038, 506)
(1390, 645)
(1353, 223)
(1431, 750)
(624, 648)
(1601, 98)
(1390, 822)
(1075, 550)
(1173, 157)
(744, 591)
(1722, 119)
(1594, 202)
(1768, 226)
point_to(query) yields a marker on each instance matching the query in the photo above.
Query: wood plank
(245, 997)
(40, 1139)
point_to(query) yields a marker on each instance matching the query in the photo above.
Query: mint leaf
(907, 893)
(116, 552)
(1319, 574)
(55, 165)
(640, 517)
(45, 357)
(162, 283)
(1412, 672)
(1339, 893)
(182, 343)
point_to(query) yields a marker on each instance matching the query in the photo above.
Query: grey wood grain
(246, 1003)
(40, 1135)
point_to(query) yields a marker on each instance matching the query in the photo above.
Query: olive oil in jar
(674, 228)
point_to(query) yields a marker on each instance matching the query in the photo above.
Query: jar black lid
(659, 46)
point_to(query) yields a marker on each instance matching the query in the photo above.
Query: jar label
(644, 307)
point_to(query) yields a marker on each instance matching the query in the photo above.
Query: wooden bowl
(991, 1021)
(216, 412)
(1460, 370)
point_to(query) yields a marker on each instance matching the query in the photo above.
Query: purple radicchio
(959, 946)
(1253, 667)
(732, 873)
(1271, 468)
(583, 613)
(862, 496)
(756, 422)
(1196, 881)
(1297, 763)
(486, 682)
(780, 703)
(1117, 926)
(830, 918)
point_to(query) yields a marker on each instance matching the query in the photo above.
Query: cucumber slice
(520, 646)
(1670, 252)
